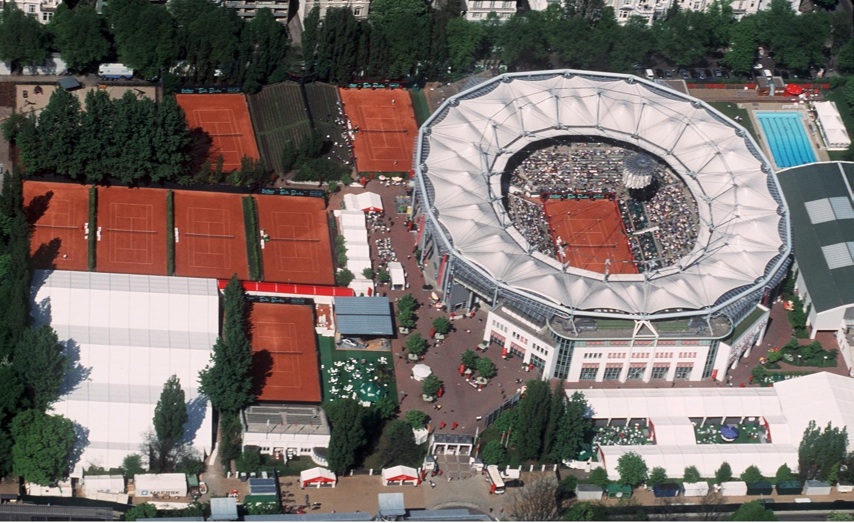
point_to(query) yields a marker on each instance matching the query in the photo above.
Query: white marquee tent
(126, 335)
(831, 125)
(398, 275)
(785, 410)
(366, 202)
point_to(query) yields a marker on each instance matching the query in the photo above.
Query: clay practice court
(133, 231)
(210, 241)
(386, 128)
(284, 353)
(593, 232)
(298, 250)
(57, 213)
(225, 117)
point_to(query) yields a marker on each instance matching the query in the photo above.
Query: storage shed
(814, 487)
(843, 486)
(734, 488)
(697, 489)
(223, 509)
(667, 490)
(615, 490)
(160, 485)
(790, 488)
(760, 488)
(588, 492)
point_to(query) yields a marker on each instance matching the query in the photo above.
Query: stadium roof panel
(823, 231)
(465, 146)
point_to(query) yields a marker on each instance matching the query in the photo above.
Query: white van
(767, 74)
(649, 74)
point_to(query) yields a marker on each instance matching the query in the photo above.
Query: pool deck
(815, 140)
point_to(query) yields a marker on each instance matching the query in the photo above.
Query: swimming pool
(786, 137)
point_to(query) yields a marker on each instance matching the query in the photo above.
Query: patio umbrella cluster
(626, 435)
(357, 379)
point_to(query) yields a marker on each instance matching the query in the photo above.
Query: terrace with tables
(729, 430)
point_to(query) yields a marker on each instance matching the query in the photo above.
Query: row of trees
(34, 367)
(134, 139)
(207, 40)
(404, 37)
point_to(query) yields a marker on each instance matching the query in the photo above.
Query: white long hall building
(125, 336)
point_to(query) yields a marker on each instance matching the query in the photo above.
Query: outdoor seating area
(361, 375)
(635, 433)
(716, 433)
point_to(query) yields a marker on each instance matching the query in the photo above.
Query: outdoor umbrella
(421, 371)
(370, 392)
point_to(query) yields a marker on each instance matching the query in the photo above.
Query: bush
(724, 473)
(383, 276)
(442, 325)
(253, 238)
(751, 474)
(249, 460)
(342, 258)
(691, 474)
(486, 368)
(170, 233)
(431, 385)
(344, 277)
(494, 453)
(368, 273)
(132, 465)
(417, 419)
(599, 477)
(416, 344)
(657, 476)
(784, 473)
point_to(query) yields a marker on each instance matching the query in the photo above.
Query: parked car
(668, 73)
(659, 73)
(708, 74)
(684, 74)
(701, 75)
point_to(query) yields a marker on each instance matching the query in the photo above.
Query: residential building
(41, 10)
(651, 10)
(478, 10)
(246, 9)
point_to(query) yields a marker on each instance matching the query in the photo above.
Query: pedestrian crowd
(661, 223)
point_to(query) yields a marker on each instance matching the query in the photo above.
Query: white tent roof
(366, 201)
(832, 124)
(464, 147)
(421, 371)
(128, 335)
(707, 458)
(823, 397)
(398, 276)
(351, 219)
(400, 472)
(106, 483)
(317, 472)
(174, 482)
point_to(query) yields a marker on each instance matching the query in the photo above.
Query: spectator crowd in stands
(661, 228)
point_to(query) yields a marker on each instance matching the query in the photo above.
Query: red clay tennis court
(298, 250)
(284, 353)
(57, 213)
(132, 231)
(386, 128)
(225, 117)
(210, 241)
(593, 233)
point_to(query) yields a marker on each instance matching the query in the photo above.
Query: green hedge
(93, 225)
(253, 239)
(170, 232)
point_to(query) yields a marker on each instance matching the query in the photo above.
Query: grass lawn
(732, 110)
(419, 105)
(366, 364)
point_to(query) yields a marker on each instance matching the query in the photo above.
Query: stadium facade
(689, 320)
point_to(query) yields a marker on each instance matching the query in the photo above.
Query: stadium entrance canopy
(463, 149)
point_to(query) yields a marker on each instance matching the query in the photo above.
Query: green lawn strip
(93, 226)
(253, 239)
(731, 110)
(170, 233)
(419, 105)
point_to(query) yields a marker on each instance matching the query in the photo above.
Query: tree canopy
(170, 416)
(821, 451)
(41, 365)
(348, 434)
(397, 445)
(42, 447)
(22, 38)
(753, 511)
(227, 381)
(533, 416)
(81, 36)
(632, 469)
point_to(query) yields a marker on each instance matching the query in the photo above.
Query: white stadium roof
(127, 334)
(464, 147)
